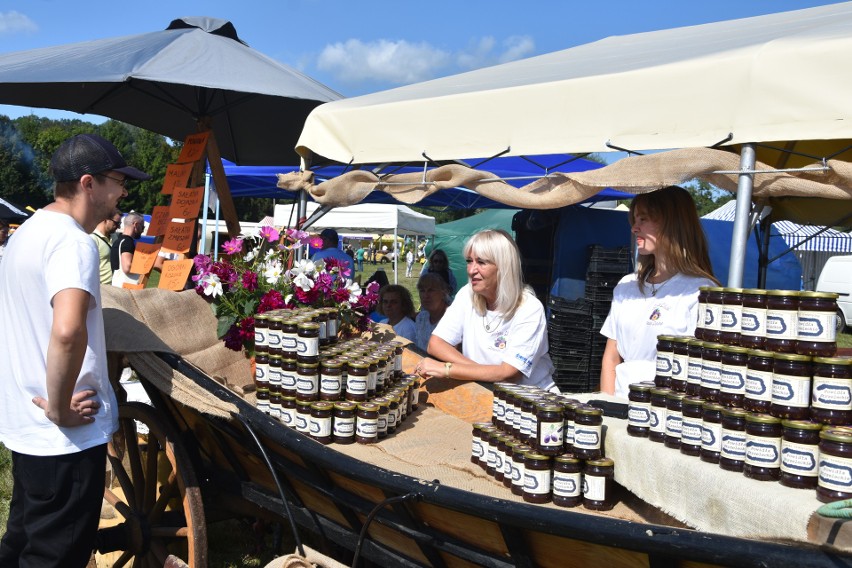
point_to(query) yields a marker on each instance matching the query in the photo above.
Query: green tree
(707, 197)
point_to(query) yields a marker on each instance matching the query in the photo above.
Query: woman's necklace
(655, 288)
(491, 325)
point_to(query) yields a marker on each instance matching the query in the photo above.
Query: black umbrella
(11, 212)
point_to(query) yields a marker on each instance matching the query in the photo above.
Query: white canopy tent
(772, 84)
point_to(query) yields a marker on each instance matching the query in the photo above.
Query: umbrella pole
(741, 220)
(214, 158)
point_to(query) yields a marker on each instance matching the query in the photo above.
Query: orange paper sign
(159, 221)
(174, 274)
(193, 147)
(143, 258)
(177, 175)
(178, 237)
(186, 202)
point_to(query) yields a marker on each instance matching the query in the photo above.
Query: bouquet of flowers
(259, 272)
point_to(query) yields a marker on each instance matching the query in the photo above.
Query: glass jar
(487, 432)
(262, 400)
(307, 381)
(791, 386)
(273, 335)
(508, 463)
(800, 453)
(476, 450)
(367, 423)
(695, 348)
(567, 481)
(732, 455)
(498, 406)
(711, 432)
(569, 405)
(384, 411)
(680, 362)
(330, 385)
(332, 324)
(394, 416)
(500, 457)
(261, 371)
(598, 480)
(763, 447)
(732, 309)
(702, 311)
(321, 318)
(639, 409)
(657, 429)
(357, 375)
(711, 371)
(538, 476)
(344, 422)
(831, 395)
(588, 422)
(307, 342)
(288, 411)
(274, 403)
(834, 481)
(753, 319)
(713, 314)
(261, 330)
(321, 420)
(519, 456)
(273, 370)
(817, 332)
(758, 387)
(782, 321)
(372, 374)
(674, 419)
(550, 436)
(691, 425)
(734, 371)
(303, 416)
(665, 353)
(289, 338)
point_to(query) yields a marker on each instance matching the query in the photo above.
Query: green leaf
(225, 323)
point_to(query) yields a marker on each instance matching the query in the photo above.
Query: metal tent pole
(741, 221)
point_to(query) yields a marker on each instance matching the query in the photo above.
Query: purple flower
(272, 300)
(249, 280)
(234, 246)
(324, 282)
(202, 263)
(269, 233)
(233, 339)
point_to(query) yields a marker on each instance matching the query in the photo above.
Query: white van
(836, 276)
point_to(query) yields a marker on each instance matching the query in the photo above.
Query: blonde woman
(661, 297)
(495, 319)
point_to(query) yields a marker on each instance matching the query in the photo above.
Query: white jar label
(367, 427)
(711, 436)
(330, 384)
(835, 473)
(320, 427)
(782, 324)
(551, 434)
(730, 321)
(344, 427)
(712, 315)
(537, 482)
(301, 422)
(476, 450)
(587, 437)
(664, 363)
(356, 384)
(567, 484)
(307, 346)
(817, 326)
(639, 414)
(289, 341)
(733, 379)
(711, 374)
(833, 394)
(274, 338)
(594, 487)
(690, 432)
(763, 452)
(518, 473)
(753, 322)
(758, 385)
(733, 444)
(288, 380)
(680, 363)
(788, 390)
(674, 423)
(799, 459)
(693, 371)
(288, 416)
(306, 384)
(658, 419)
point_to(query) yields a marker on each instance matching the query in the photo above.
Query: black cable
(373, 513)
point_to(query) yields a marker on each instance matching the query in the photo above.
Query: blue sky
(362, 47)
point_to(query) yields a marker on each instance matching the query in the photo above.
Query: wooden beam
(223, 190)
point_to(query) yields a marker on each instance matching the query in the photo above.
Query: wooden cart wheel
(159, 497)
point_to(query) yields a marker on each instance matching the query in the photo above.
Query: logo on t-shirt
(500, 342)
(655, 315)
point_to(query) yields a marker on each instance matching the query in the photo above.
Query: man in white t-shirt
(57, 407)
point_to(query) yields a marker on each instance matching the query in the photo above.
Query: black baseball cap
(89, 154)
(329, 235)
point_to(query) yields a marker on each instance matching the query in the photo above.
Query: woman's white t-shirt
(636, 318)
(521, 341)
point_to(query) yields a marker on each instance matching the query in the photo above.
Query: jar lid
(368, 406)
(693, 400)
(714, 406)
(536, 456)
(288, 398)
(291, 321)
(837, 434)
(639, 387)
(733, 290)
(359, 364)
(565, 458)
(712, 345)
(734, 412)
(760, 353)
(261, 317)
(791, 357)
(307, 365)
(276, 319)
(589, 410)
(601, 462)
(695, 343)
(703, 288)
(309, 325)
(665, 337)
(661, 391)
(734, 349)
(549, 407)
(762, 418)
(476, 425)
(333, 363)
(322, 405)
(754, 291)
(305, 403)
(833, 360)
(675, 395)
(274, 356)
(714, 289)
(828, 295)
(649, 384)
(682, 339)
(381, 401)
(801, 425)
(793, 293)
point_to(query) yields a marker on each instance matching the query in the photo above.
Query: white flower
(303, 282)
(272, 272)
(250, 233)
(304, 266)
(250, 255)
(212, 285)
(354, 290)
(288, 298)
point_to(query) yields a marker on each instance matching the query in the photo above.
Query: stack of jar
(758, 390)
(546, 448)
(334, 391)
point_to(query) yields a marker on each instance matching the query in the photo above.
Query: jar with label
(538, 475)
(800, 453)
(519, 456)
(289, 338)
(713, 314)
(691, 425)
(550, 435)
(835, 462)
(273, 372)
(262, 397)
(758, 394)
(332, 324)
(732, 308)
(498, 406)
(569, 405)
(330, 386)
(665, 353)
(492, 441)
(273, 335)
(367, 423)
(261, 371)
(753, 319)
(303, 416)
(357, 375)
(657, 428)
(487, 432)
(711, 371)
(732, 387)
(791, 386)
(394, 415)
(344, 422)
(372, 374)
(307, 342)
(527, 409)
(384, 407)
(508, 462)
(321, 318)
(500, 462)
(674, 419)
(261, 330)
(817, 331)
(567, 481)
(831, 395)
(680, 362)
(732, 455)
(320, 423)
(288, 411)
(639, 409)
(782, 321)
(763, 447)
(695, 349)
(711, 432)
(307, 381)
(274, 403)
(702, 311)
(476, 451)
(598, 480)
(588, 422)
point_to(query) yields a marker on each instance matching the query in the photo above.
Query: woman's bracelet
(447, 367)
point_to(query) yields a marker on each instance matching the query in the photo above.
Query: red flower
(272, 300)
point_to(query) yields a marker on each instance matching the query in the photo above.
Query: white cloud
(400, 62)
(13, 22)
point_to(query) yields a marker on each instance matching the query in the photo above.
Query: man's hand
(82, 411)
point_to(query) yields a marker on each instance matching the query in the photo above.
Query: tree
(707, 197)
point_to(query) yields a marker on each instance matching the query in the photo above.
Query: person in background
(359, 258)
(396, 304)
(4, 236)
(121, 253)
(57, 407)
(434, 300)
(496, 319)
(440, 264)
(409, 262)
(661, 297)
(330, 240)
(102, 236)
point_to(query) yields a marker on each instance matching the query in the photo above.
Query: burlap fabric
(636, 174)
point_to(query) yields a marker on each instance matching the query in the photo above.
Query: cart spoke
(151, 464)
(125, 557)
(168, 490)
(134, 459)
(124, 480)
(123, 508)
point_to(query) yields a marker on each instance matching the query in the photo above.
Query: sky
(359, 47)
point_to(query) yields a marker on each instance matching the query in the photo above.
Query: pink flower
(324, 282)
(315, 242)
(340, 295)
(234, 246)
(202, 263)
(271, 234)
(272, 300)
(302, 237)
(307, 297)
(333, 263)
(249, 281)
